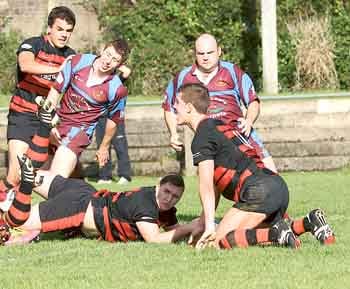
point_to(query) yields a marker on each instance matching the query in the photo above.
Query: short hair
(174, 179)
(197, 94)
(61, 12)
(121, 47)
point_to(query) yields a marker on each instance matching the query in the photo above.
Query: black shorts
(264, 193)
(68, 200)
(22, 126)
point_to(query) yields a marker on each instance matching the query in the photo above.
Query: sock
(19, 211)
(243, 238)
(38, 147)
(301, 226)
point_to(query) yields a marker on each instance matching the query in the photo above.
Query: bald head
(207, 53)
(206, 40)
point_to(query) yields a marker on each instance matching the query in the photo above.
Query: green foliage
(9, 42)
(339, 13)
(162, 35)
(341, 33)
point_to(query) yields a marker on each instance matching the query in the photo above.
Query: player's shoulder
(80, 61)
(183, 72)
(209, 123)
(32, 42)
(69, 51)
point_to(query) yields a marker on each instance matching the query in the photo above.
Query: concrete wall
(301, 135)
(30, 18)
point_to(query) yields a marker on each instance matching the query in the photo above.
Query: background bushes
(162, 34)
(9, 42)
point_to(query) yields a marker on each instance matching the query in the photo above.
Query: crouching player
(134, 215)
(227, 167)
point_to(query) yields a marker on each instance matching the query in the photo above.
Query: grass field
(80, 263)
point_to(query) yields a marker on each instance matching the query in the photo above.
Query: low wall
(301, 135)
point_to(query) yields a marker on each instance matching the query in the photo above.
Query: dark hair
(121, 47)
(174, 179)
(197, 94)
(61, 12)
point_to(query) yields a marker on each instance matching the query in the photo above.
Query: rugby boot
(27, 169)
(321, 229)
(285, 235)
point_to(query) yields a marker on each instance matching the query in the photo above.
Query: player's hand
(245, 125)
(125, 71)
(206, 240)
(65, 61)
(197, 231)
(102, 156)
(175, 143)
(55, 136)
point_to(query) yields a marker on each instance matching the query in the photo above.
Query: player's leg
(263, 198)
(120, 144)
(67, 204)
(63, 162)
(19, 211)
(74, 141)
(15, 148)
(9, 185)
(38, 147)
(248, 235)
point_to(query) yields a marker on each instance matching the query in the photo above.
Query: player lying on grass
(135, 215)
(74, 204)
(227, 167)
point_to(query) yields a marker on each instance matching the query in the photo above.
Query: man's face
(207, 55)
(181, 110)
(110, 59)
(168, 196)
(60, 32)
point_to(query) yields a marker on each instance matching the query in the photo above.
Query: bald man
(228, 86)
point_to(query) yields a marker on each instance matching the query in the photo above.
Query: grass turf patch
(80, 263)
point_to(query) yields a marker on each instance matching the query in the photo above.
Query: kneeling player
(113, 216)
(227, 167)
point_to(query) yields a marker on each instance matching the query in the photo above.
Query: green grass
(85, 264)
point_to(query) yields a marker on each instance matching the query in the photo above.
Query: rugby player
(39, 59)
(135, 215)
(228, 87)
(91, 89)
(261, 197)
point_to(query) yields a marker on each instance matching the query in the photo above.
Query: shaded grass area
(80, 263)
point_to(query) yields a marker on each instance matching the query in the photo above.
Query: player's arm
(152, 234)
(103, 151)
(208, 199)
(61, 83)
(251, 102)
(27, 63)
(246, 123)
(171, 123)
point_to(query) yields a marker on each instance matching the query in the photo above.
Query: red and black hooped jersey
(234, 160)
(31, 85)
(116, 214)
